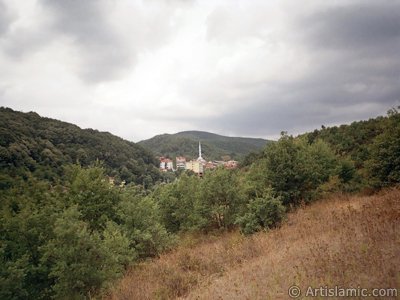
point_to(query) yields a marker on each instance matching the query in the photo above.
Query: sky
(238, 68)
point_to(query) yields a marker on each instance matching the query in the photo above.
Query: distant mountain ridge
(214, 146)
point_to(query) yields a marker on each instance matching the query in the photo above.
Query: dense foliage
(214, 146)
(384, 162)
(368, 150)
(42, 146)
(71, 237)
(70, 241)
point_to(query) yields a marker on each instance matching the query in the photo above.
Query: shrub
(262, 213)
(295, 169)
(82, 262)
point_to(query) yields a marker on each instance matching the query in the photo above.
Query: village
(198, 166)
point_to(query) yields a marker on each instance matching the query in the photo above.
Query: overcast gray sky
(239, 68)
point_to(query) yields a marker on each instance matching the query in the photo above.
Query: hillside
(66, 233)
(354, 140)
(214, 146)
(327, 243)
(42, 146)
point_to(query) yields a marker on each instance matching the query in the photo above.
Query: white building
(180, 162)
(166, 164)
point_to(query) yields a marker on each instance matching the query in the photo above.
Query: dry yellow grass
(345, 241)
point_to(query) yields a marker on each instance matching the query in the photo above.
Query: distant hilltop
(214, 146)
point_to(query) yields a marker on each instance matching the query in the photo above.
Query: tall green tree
(94, 196)
(27, 215)
(384, 164)
(294, 168)
(181, 205)
(221, 193)
(141, 219)
(81, 261)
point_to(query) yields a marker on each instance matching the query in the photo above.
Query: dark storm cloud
(6, 18)
(355, 73)
(104, 54)
(303, 110)
(306, 109)
(358, 26)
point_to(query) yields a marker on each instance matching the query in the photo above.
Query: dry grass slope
(346, 241)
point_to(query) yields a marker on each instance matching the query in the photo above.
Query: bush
(141, 220)
(295, 169)
(82, 262)
(262, 213)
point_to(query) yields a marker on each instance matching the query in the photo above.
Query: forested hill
(214, 146)
(361, 140)
(42, 146)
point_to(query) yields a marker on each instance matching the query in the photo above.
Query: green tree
(384, 165)
(181, 206)
(27, 214)
(81, 261)
(346, 171)
(95, 197)
(262, 213)
(141, 220)
(222, 196)
(294, 168)
(12, 276)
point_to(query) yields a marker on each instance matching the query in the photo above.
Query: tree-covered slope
(42, 146)
(357, 141)
(363, 154)
(214, 146)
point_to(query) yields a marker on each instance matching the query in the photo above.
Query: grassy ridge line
(340, 241)
(214, 146)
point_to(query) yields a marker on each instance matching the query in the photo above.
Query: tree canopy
(42, 147)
